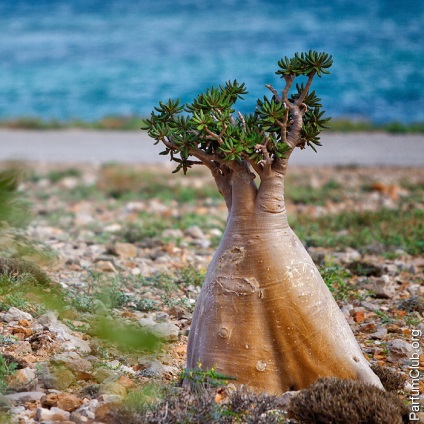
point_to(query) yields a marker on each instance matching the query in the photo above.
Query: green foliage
(176, 405)
(336, 278)
(205, 378)
(305, 64)
(386, 230)
(15, 215)
(6, 370)
(207, 125)
(125, 337)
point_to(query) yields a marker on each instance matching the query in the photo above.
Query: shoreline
(135, 147)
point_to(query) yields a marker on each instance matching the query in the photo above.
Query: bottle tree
(264, 315)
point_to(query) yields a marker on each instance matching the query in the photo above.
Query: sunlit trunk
(265, 316)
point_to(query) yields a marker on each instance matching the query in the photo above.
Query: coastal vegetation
(133, 123)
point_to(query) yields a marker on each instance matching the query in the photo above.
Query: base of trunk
(266, 317)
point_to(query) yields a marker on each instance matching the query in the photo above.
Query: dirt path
(136, 147)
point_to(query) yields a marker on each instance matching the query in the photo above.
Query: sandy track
(135, 147)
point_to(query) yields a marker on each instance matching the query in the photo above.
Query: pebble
(105, 266)
(172, 233)
(59, 377)
(25, 396)
(195, 232)
(53, 414)
(381, 333)
(166, 331)
(113, 388)
(72, 360)
(383, 288)
(398, 350)
(125, 250)
(24, 378)
(15, 314)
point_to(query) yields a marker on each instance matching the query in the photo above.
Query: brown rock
(24, 377)
(68, 402)
(125, 250)
(105, 266)
(22, 330)
(126, 382)
(104, 413)
(49, 400)
(24, 323)
(359, 316)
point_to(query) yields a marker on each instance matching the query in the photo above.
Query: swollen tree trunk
(264, 315)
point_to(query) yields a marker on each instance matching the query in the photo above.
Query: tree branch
(289, 81)
(274, 91)
(306, 89)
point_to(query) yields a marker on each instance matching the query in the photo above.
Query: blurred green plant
(7, 369)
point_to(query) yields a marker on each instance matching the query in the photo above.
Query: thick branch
(289, 81)
(304, 93)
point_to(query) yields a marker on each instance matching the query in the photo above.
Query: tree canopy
(209, 131)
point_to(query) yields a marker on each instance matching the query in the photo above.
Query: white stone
(53, 414)
(15, 314)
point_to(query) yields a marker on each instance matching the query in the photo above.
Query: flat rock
(25, 396)
(53, 414)
(15, 314)
(398, 350)
(24, 378)
(73, 361)
(125, 250)
(166, 331)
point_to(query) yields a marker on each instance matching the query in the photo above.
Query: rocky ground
(129, 247)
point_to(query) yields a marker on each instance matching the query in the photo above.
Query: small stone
(359, 316)
(49, 400)
(346, 309)
(25, 396)
(146, 322)
(23, 348)
(15, 314)
(102, 374)
(113, 388)
(23, 378)
(126, 382)
(5, 403)
(398, 350)
(383, 288)
(113, 228)
(125, 250)
(370, 306)
(172, 233)
(381, 333)
(69, 341)
(47, 319)
(24, 331)
(195, 232)
(284, 400)
(53, 414)
(389, 269)
(162, 317)
(166, 331)
(68, 402)
(60, 378)
(73, 361)
(105, 266)
(152, 369)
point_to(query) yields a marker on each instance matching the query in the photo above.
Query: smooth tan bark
(265, 315)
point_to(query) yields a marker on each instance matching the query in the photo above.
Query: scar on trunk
(232, 256)
(238, 285)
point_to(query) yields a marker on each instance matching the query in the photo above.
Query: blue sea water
(84, 59)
